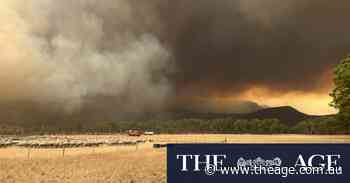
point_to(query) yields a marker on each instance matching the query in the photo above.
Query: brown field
(117, 164)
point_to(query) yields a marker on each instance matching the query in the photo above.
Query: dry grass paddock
(118, 164)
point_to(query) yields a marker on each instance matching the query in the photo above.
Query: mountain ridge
(286, 114)
(28, 116)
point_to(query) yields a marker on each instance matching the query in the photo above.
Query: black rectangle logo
(252, 163)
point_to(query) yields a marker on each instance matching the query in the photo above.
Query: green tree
(341, 92)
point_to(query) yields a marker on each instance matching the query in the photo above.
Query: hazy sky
(159, 53)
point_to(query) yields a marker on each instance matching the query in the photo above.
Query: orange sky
(310, 103)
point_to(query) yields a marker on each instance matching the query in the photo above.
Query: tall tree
(341, 92)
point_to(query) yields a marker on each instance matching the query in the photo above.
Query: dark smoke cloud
(225, 47)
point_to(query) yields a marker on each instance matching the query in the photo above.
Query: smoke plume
(229, 47)
(65, 52)
(147, 55)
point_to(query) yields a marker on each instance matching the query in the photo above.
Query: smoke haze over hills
(132, 56)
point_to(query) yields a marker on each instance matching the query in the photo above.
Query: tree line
(322, 125)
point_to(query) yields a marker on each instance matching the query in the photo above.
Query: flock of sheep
(56, 142)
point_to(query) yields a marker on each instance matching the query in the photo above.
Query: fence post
(28, 153)
(63, 151)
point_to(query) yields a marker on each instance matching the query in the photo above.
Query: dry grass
(118, 164)
(105, 165)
